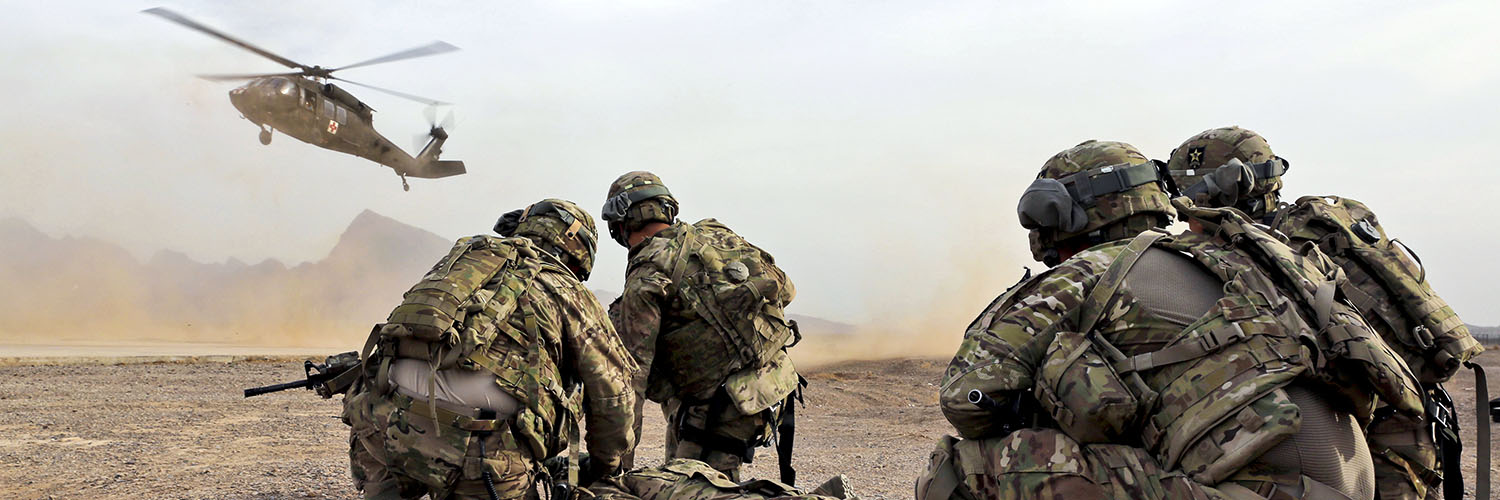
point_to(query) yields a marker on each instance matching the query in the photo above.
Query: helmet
(635, 199)
(1094, 192)
(557, 226)
(1229, 167)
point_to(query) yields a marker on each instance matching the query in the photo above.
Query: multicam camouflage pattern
(1390, 290)
(683, 479)
(1142, 207)
(1217, 411)
(663, 312)
(553, 341)
(640, 186)
(1357, 357)
(1406, 458)
(686, 316)
(548, 230)
(396, 452)
(1202, 153)
(1384, 282)
(752, 428)
(1047, 464)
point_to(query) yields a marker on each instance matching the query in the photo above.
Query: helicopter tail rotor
(435, 129)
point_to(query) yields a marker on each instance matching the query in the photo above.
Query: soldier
(483, 369)
(702, 313)
(1218, 363)
(1234, 167)
(687, 479)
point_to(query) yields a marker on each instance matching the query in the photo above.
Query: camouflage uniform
(405, 446)
(1406, 456)
(686, 479)
(718, 420)
(1133, 402)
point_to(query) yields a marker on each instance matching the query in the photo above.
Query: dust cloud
(80, 289)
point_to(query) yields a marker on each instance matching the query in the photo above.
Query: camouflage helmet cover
(558, 226)
(1201, 154)
(634, 199)
(1107, 210)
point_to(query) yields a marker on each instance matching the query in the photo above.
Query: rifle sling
(1482, 424)
(786, 435)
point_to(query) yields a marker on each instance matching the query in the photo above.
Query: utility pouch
(1080, 390)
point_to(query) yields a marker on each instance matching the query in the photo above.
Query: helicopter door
(309, 99)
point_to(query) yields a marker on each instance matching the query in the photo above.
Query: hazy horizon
(876, 150)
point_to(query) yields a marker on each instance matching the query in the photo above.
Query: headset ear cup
(508, 223)
(1046, 204)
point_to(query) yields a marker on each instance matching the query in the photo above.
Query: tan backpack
(1386, 282)
(738, 294)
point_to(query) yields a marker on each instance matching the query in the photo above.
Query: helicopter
(305, 105)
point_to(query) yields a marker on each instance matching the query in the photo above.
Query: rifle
(333, 376)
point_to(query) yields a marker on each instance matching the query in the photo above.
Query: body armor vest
(1210, 401)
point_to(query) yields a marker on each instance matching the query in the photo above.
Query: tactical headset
(1230, 181)
(1060, 205)
(617, 209)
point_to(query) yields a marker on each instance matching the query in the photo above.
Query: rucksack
(471, 311)
(738, 294)
(453, 311)
(1386, 282)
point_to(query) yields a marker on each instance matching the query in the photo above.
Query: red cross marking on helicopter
(333, 127)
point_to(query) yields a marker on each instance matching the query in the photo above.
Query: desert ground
(179, 428)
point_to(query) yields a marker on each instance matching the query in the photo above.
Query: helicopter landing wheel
(265, 137)
(404, 185)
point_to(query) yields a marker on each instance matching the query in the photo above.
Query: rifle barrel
(256, 391)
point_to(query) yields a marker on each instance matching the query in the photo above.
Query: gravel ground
(182, 430)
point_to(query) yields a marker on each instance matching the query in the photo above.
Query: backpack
(452, 312)
(471, 312)
(738, 294)
(1386, 283)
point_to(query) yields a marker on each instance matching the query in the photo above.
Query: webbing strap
(1205, 344)
(1087, 185)
(1323, 304)
(786, 435)
(1099, 297)
(1482, 423)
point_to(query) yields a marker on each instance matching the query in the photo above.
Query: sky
(877, 149)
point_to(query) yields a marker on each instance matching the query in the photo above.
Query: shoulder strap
(1104, 291)
(688, 243)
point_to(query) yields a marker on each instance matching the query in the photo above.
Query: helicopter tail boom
(438, 169)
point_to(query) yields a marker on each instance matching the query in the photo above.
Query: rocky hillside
(81, 288)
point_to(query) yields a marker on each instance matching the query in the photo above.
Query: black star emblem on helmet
(1195, 157)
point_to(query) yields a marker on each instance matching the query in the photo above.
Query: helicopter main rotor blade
(248, 76)
(424, 100)
(180, 19)
(433, 48)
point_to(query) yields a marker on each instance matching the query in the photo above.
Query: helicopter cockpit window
(309, 99)
(286, 87)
